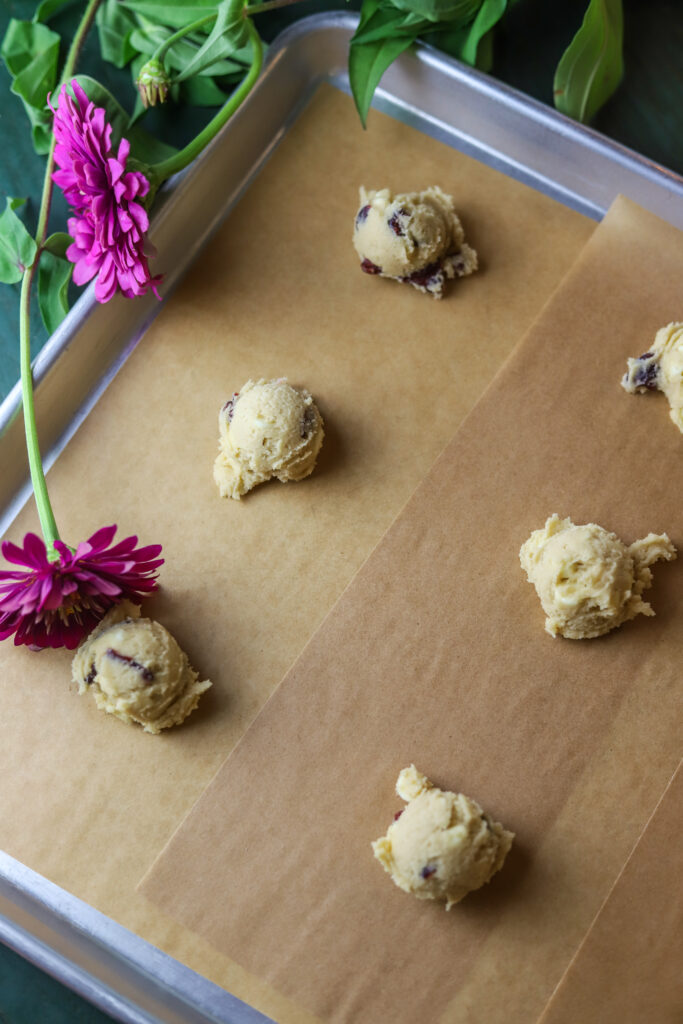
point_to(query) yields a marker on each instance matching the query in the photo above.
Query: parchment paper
(628, 968)
(89, 802)
(436, 654)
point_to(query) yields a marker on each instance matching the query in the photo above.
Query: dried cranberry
(229, 406)
(91, 676)
(362, 214)
(428, 870)
(424, 276)
(146, 673)
(368, 267)
(398, 814)
(394, 221)
(646, 375)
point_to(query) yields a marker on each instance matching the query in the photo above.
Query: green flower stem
(78, 40)
(45, 513)
(163, 49)
(159, 172)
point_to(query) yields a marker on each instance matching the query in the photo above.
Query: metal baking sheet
(113, 968)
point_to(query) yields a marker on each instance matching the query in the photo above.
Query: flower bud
(153, 83)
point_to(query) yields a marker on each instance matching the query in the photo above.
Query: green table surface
(646, 114)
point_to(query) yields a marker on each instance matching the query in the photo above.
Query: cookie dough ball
(442, 845)
(587, 580)
(268, 429)
(661, 369)
(135, 670)
(414, 237)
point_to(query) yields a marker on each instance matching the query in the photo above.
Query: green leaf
(47, 8)
(114, 28)
(485, 52)
(54, 275)
(23, 42)
(176, 13)
(383, 34)
(228, 35)
(201, 92)
(17, 248)
(471, 43)
(41, 129)
(146, 149)
(147, 40)
(367, 64)
(368, 60)
(38, 78)
(458, 11)
(58, 243)
(387, 22)
(592, 65)
(488, 15)
(31, 52)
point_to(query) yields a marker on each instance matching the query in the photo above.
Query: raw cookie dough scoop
(268, 429)
(442, 845)
(412, 237)
(588, 581)
(660, 369)
(135, 670)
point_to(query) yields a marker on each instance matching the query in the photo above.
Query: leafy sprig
(586, 77)
(388, 27)
(205, 55)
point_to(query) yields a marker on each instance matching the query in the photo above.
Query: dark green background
(645, 114)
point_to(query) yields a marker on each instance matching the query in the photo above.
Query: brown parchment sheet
(89, 802)
(436, 654)
(628, 968)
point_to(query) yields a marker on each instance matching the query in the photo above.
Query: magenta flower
(109, 224)
(57, 603)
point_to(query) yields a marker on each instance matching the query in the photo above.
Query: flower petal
(57, 603)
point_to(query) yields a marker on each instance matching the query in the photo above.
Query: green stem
(163, 49)
(78, 40)
(179, 160)
(45, 513)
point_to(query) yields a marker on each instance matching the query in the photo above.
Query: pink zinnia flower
(57, 603)
(109, 224)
